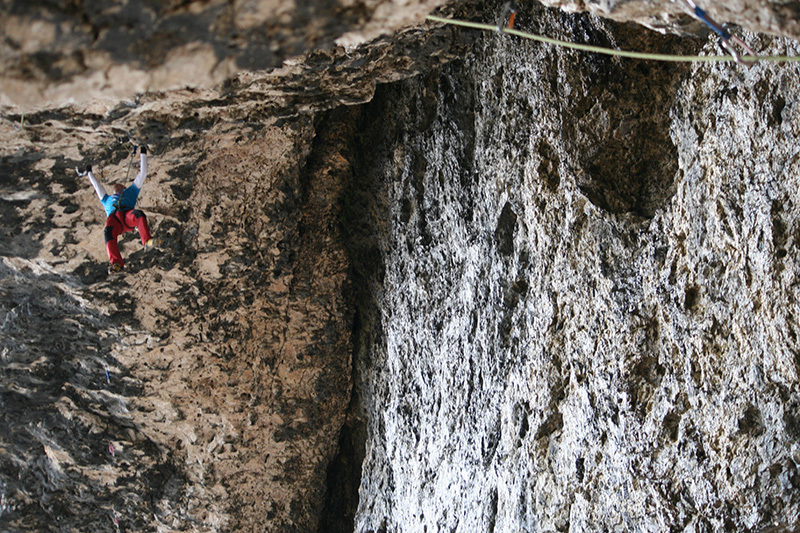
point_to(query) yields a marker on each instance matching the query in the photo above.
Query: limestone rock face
(55, 53)
(439, 280)
(777, 18)
(59, 52)
(206, 387)
(207, 383)
(588, 316)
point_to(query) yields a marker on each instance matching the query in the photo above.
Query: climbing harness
(120, 207)
(611, 51)
(725, 36)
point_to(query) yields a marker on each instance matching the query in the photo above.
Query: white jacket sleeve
(139, 181)
(98, 187)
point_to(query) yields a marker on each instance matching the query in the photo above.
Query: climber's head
(118, 188)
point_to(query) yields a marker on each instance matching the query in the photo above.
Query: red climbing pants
(117, 224)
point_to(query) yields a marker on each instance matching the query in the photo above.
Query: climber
(122, 216)
(720, 30)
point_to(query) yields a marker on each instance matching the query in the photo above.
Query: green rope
(611, 51)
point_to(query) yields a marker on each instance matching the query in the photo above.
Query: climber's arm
(98, 187)
(139, 181)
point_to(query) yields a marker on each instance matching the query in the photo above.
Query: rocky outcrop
(776, 18)
(587, 320)
(209, 382)
(206, 387)
(437, 280)
(64, 52)
(59, 52)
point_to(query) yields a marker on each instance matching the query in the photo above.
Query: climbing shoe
(155, 242)
(114, 268)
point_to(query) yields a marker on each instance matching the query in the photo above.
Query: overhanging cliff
(530, 289)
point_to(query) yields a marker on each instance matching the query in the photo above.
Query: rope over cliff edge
(612, 51)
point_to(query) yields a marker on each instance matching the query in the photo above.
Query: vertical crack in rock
(318, 283)
(335, 153)
(344, 475)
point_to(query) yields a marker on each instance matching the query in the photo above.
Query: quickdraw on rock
(509, 13)
(725, 36)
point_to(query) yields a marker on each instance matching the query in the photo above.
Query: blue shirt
(126, 200)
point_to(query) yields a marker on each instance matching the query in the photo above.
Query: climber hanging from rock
(121, 212)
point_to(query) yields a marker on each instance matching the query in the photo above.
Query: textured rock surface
(57, 52)
(229, 353)
(60, 52)
(777, 18)
(566, 284)
(588, 318)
